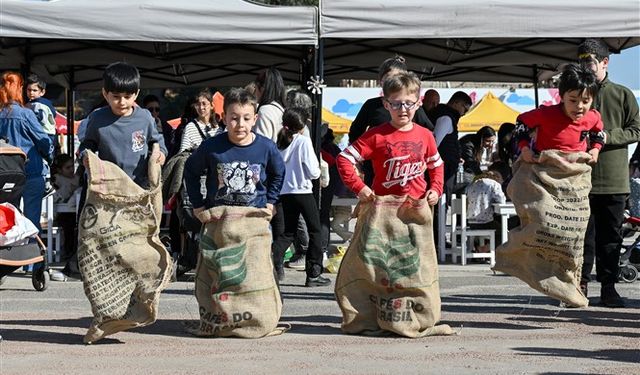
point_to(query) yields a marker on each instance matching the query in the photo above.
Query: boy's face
(121, 103)
(239, 120)
(576, 104)
(402, 106)
(34, 91)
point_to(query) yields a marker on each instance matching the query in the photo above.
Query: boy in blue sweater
(242, 167)
(123, 133)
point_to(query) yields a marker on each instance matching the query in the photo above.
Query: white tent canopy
(491, 40)
(190, 42)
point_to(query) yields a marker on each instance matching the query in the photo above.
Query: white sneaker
(298, 264)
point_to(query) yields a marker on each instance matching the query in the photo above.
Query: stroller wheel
(39, 280)
(628, 273)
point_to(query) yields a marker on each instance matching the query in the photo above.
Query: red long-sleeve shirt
(557, 131)
(399, 160)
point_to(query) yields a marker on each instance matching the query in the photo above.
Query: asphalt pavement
(504, 327)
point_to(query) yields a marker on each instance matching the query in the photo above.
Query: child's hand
(366, 194)
(527, 155)
(157, 155)
(594, 152)
(196, 211)
(272, 209)
(432, 197)
(85, 160)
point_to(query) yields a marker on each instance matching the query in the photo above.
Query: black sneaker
(609, 297)
(317, 281)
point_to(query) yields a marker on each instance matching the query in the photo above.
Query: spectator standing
(609, 178)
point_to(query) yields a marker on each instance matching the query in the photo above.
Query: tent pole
(535, 85)
(70, 99)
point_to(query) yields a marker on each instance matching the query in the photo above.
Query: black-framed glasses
(153, 109)
(397, 105)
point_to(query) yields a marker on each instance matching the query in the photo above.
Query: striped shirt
(191, 137)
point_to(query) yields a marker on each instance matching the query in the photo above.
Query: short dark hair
(239, 96)
(121, 77)
(149, 99)
(595, 47)
(460, 96)
(578, 77)
(397, 62)
(34, 78)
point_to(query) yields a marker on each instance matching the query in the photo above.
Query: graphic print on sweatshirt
(138, 141)
(405, 162)
(237, 182)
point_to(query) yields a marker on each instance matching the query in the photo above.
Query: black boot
(609, 297)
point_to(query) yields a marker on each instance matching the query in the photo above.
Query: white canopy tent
(198, 42)
(468, 40)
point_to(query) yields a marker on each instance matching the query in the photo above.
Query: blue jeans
(32, 204)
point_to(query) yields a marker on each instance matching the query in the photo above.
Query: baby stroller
(630, 255)
(15, 248)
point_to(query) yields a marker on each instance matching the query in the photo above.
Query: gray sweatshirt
(123, 140)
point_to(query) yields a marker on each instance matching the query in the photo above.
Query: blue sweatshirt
(21, 128)
(123, 140)
(250, 175)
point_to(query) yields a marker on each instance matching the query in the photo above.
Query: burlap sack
(235, 287)
(124, 265)
(388, 278)
(552, 201)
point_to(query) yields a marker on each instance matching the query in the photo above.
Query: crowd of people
(259, 154)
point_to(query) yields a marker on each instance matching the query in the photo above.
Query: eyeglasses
(153, 109)
(397, 105)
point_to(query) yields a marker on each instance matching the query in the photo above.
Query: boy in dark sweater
(242, 168)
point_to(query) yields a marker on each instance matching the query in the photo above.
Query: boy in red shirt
(565, 126)
(400, 150)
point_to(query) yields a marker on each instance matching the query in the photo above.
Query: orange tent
(488, 111)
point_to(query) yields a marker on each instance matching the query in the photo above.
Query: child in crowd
(123, 133)
(569, 126)
(66, 183)
(482, 193)
(64, 179)
(297, 198)
(400, 150)
(41, 106)
(242, 167)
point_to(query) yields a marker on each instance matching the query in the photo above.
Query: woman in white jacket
(296, 196)
(270, 92)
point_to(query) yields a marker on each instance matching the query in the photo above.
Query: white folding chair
(467, 235)
(443, 229)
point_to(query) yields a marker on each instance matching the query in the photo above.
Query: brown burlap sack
(235, 287)
(552, 201)
(388, 278)
(124, 265)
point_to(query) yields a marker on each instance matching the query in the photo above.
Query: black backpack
(12, 174)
